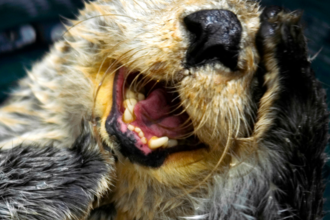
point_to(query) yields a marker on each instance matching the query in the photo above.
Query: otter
(174, 109)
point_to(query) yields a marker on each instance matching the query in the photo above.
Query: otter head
(175, 81)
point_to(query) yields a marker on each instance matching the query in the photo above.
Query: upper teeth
(128, 115)
(134, 95)
(140, 96)
(129, 103)
(129, 94)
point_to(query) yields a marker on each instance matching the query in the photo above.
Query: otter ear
(297, 131)
(45, 182)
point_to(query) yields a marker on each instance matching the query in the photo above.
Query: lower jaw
(127, 146)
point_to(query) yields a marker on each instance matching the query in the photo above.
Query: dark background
(28, 27)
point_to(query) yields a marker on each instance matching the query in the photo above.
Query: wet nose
(215, 36)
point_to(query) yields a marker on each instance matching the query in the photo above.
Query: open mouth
(148, 120)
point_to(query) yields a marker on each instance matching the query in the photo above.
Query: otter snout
(215, 36)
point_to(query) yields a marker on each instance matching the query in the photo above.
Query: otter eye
(215, 36)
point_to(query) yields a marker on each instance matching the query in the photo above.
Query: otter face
(201, 126)
(174, 79)
(173, 85)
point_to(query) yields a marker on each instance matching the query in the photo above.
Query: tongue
(153, 116)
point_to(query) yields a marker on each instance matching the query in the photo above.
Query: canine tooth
(130, 94)
(155, 142)
(172, 143)
(141, 97)
(137, 130)
(130, 127)
(130, 103)
(144, 140)
(128, 116)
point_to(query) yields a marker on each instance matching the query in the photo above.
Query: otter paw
(281, 34)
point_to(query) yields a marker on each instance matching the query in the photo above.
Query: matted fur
(265, 124)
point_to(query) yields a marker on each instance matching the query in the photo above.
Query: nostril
(215, 36)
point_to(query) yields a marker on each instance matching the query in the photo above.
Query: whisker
(216, 121)
(238, 127)
(179, 105)
(127, 75)
(135, 82)
(101, 66)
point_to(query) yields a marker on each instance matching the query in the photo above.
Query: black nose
(215, 36)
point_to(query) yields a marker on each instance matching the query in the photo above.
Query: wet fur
(265, 124)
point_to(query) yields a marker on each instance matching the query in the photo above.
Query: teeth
(128, 116)
(155, 142)
(138, 131)
(130, 94)
(172, 143)
(130, 103)
(130, 127)
(140, 97)
(133, 95)
(141, 135)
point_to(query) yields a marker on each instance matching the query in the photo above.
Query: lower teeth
(155, 142)
(172, 143)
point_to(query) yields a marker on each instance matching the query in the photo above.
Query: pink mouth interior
(154, 115)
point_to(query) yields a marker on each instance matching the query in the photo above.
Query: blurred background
(28, 28)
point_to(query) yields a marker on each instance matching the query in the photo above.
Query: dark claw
(270, 12)
(268, 27)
